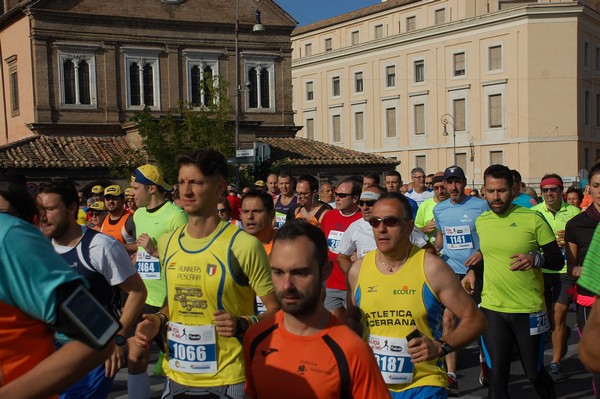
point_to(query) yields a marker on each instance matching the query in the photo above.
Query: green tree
(192, 127)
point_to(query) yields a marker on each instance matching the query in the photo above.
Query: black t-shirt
(580, 230)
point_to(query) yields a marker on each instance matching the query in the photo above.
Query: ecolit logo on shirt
(405, 291)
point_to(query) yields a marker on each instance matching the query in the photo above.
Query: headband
(551, 180)
(369, 195)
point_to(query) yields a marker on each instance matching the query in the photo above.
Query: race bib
(333, 240)
(280, 219)
(260, 306)
(147, 265)
(393, 359)
(458, 237)
(538, 323)
(192, 349)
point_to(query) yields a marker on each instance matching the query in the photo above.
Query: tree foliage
(191, 127)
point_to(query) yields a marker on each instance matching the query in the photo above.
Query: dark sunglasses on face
(342, 195)
(367, 203)
(221, 210)
(388, 221)
(552, 189)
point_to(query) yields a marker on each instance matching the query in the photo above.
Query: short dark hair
(499, 172)
(516, 176)
(299, 228)
(575, 190)
(374, 176)
(594, 171)
(266, 199)
(311, 180)
(393, 173)
(356, 186)
(209, 161)
(13, 188)
(64, 188)
(408, 213)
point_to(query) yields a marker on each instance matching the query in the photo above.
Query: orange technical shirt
(334, 363)
(116, 230)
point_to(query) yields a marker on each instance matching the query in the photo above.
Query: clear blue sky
(309, 11)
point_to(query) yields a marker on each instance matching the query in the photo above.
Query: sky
(309, 11)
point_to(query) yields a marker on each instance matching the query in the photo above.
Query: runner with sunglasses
(396, 298)
(334, 224)
(557, 282)
(358, 239)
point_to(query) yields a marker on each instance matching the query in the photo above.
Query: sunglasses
(551, 189)
(95, 213)
(221, 210)
(388, 221)
(367, 203)
(429, 183)
(342, 195)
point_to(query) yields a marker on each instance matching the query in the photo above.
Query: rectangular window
(421, 162)
(378, 31)
(359, 126)
(597, 110)
(587, 109)
(495, 110)
(496, 158)
(308, 50)
(597, 59)
(310, 91)
(142, 83)
(202, 77)
(390, 76)
(14, 93)
(419, 118)
(586, 54)
(495, 58)
(260, 74)
(461, 161)
(328, 44)
(310, 129)
(419, 71)
(358, 82)
(336, 122)
(390, 122)
(459, 106)
(355, 38)
(440, 16)
(459, 64)
(411, 23)
(335, 86)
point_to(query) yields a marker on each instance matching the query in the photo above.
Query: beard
(306, 304)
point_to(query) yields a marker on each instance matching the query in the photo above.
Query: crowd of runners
(293, 288)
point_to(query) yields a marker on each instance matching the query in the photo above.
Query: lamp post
(258, 27)
(448, 119)
(472, 147)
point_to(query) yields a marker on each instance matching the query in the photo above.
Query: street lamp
(258, 27)
(448, 119)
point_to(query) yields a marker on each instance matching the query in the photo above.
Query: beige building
(519, 79)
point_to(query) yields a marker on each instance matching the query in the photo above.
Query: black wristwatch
(242, 325)
(445, 347)
(120, 340)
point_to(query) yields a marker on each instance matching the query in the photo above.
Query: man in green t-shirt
(513, 291)
(154, 217)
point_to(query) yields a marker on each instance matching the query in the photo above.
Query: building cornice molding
(512, 15)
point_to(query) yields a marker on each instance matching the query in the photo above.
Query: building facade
(83, 68)
(520, 81)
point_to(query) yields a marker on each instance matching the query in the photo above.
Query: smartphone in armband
(414, 334)
(90, 317)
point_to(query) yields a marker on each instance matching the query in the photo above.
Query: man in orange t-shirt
(297, 349)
